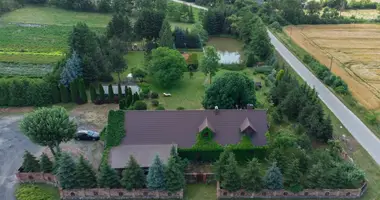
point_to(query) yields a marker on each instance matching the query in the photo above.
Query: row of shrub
(324, 74)
(362, 4)
(114, 132)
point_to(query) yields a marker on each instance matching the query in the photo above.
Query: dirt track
(356, 50)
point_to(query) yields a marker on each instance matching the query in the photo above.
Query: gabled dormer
(205, 129)
(247, 128)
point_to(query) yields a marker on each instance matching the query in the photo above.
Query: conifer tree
(166, 35)
(64, 94)
(230, 177)
(72, 70)
(156, 175)
(119, 92)
(101, 93)
(46, 165)
(136, 97)
(251, 177)
(273, 178)
(66, 172)
(82, 91)
(56, 94)
(181, 162)
(110, 94)
(93, 94)
(174, 176)
(56, 163)
(74, 92)
(133, 175)
(85, 175)
(30, 163)
(293, 176)
(108, 177)
(220, 165)
(126, 91)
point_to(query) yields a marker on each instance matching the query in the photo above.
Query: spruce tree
(119, 92)
(136, 97)
(174, 176)
(231, 177)
(101, 93)
(30, 163)
(82, 91)
(126, 91)
(108, 177)
(156, 175)
(273, 178)
(133, 175)
(220, 165)
(110, 94)
(56, 94)
(293, 176)
(85, 175)
(64, 94)
(74, 91)
(166, 35)
(251, 177)
(181, 162)
(66, 172)
(46, 165)
(93, 94)
(129, 98)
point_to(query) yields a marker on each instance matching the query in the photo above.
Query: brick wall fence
(305, 194)
(96, 193)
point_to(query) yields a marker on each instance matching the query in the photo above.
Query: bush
(275, 26)
(154, 95)
(233, 67)
(115, 128)
(263, 70)
(155, 103)
(140, 105)
(180, 108)
(160, 108)
(36, 192)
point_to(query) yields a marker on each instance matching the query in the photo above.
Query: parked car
(87, 135)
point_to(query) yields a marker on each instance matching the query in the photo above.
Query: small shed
(115, 89)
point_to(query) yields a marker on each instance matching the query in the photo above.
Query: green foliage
(120, 27)
(280, 74)
(46, 165)
(101, 94)
(35, 192)
(82, 91)
(166, 35)
(26, 70)
(30, 163)
(84, 174)
(49, 127)
(210, 62)
(108, 177)
(149, 23)
(292, 177)
(71, 70)
(180, 108)
(155, 103)
(259, 45)
(156, 175)
(119, 91)
(66, 172)
(167, 66)
(133, 175)
(251, 177)
(74, 91)
(93, 94)
(140, 105)
(174, 176)
(219, 167)
(64, 94)
(230, 177)
(111, 96)
(273, 178)
(55, 93)
(115, 128)
(160, 107)
(230, 90)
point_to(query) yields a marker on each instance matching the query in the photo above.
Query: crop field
(29, 70)
(354, 51)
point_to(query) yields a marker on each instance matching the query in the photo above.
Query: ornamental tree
(72, 70)
(46, 165)
(85, 175)
(210, 62)
(156, 175)
(220, 165)
(251, 177)
(66, 172)
(30, 163)
(166, 35)
(273, 178)
(49, 127)
(230, 91)
(167, 66)
(108, 177)
(133, 175)
(174, 176)
(231, 177)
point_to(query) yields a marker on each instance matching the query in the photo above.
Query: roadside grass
(348, 100)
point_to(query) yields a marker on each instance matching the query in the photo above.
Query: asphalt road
(353, 124)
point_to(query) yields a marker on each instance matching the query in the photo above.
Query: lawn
(200, 192)
(37, 191)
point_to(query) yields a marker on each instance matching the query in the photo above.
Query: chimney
(216, 110)
(249, 106)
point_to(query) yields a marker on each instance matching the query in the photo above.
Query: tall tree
(101, 93)
(46, 165)
(191, 15)
(133, 175)
(229, 91)
(111, 96)
(119, 64)
(105, 6)
(156, 175)
(166, 35)
(210, 62)
(273, 178)
(49, 127)
(74, 91)
(64, 94)
(174, 176)
(292, 176)
(167, 66)
(66, 172)
(161, 5)
(84, 174)
(231, 177)
(258, 48)
(120, 27)
(30, 163)
(93, 94)
(108, 177)
(123, 6)
(82, 91)
(148, 24)
(72, 70)
(219, 166)
(251, 177)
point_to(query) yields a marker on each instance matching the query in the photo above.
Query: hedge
(25, 92)
(115, 128)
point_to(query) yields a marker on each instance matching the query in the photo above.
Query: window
(206, 134)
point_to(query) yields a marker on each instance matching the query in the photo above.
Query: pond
(229, 49)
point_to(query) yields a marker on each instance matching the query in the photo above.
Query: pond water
(229, 49)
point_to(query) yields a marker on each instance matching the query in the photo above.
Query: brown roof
(181, 127)
(246, 124)
(205, 124)
(144, 154)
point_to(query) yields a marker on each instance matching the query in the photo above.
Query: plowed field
(355, 51)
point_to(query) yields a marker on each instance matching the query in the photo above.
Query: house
(150, 132)
(115, 89)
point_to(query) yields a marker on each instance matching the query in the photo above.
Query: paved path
(353, 124)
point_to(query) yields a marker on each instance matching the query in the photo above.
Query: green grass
(200, 192)
(43, 191)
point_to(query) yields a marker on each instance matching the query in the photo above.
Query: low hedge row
(115, 128)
